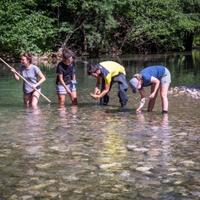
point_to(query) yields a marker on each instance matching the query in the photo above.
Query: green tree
(24, 29)
(99, 26)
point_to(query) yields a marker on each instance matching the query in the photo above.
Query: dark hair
(91, 68)
(67, 53)
(28, 56)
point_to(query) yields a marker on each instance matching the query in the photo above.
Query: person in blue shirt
(34, 76)
(159, 78)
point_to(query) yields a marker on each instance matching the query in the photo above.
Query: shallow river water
(91, 152)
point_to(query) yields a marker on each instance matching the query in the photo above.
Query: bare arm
(142, 101)
(60, 76)
(156, 82)
(41, 79)
(97, 90)
(15, 73)
(103, 93)
(74, 77)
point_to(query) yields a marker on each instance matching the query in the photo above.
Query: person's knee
(34, 101)
(164, 97)
(61, 101)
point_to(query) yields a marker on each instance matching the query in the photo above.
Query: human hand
(97, 91)
(69, 92)
(152, 95)
(94, 96)
(138, 110)
(34, 86)
(13, 70)
(142, 102)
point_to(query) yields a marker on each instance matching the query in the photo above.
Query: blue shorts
(61, 90)
(166, 79)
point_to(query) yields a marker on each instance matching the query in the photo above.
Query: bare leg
(73, 97)
(35, 98)
(153, 100)
(61, 100)
(163, 93)
(27, 100)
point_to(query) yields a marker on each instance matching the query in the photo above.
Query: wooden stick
(26, 80)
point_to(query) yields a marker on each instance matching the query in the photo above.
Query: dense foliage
(95, 26)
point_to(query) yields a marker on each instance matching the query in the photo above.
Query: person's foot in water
(123, 104)
(104, 101)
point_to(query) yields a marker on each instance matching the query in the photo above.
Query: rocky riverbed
(193, 92)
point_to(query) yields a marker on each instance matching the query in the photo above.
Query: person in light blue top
(34, 76)
(29, 74)
(158, 77)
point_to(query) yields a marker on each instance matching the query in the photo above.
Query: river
(91, 152)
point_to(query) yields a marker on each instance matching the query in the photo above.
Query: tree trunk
(188, 41)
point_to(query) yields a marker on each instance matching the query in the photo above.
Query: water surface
(93, 152)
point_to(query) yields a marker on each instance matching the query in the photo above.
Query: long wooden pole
(25, 80)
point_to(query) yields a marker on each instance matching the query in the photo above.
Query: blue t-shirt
(31, 75)
(156, 71)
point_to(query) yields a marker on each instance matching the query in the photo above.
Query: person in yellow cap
(107, 73)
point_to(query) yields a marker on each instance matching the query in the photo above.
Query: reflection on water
(93, 152)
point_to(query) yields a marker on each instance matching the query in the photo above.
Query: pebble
(42, 185)
(188, 163)
(182, 90)
(143, 169)
(110, 165)
(135, 148)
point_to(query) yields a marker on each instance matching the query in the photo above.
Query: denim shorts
(166, 79)
(61, 90)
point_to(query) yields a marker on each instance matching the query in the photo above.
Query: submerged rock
(188, 163)
(110, 165)
(42, 185)
(131, 147)
(193, 92)
(135, 148)
(108, 196)
(182, 134)
(45, 165)
(144, 169)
